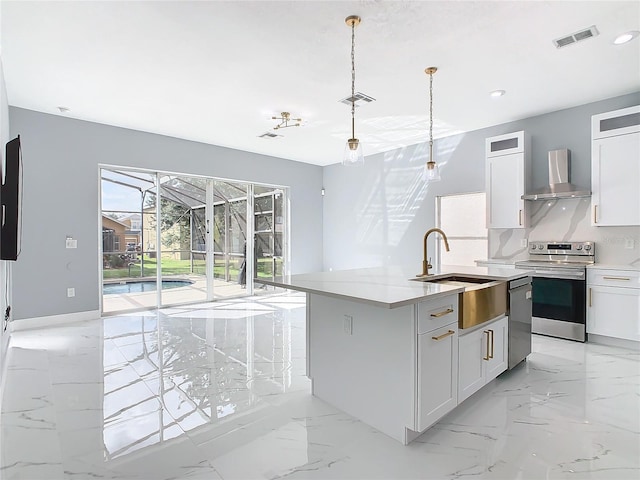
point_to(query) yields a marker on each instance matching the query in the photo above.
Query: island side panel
(370, 372)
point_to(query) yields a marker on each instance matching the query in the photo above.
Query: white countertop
(611, 266)
(496, 261)
(388, 287)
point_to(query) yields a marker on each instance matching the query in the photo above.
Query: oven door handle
(559, 273)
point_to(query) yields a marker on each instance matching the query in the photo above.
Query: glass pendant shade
(353, 153)
(431, 172)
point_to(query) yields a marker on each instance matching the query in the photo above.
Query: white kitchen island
(384, 348)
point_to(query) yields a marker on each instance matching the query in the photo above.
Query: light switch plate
(628, 243)
(71, 292)
(72, 243)
(348, 324)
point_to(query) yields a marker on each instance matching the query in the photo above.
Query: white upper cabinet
(507, 173)
(615, 168)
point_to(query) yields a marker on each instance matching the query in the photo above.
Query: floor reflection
(193, 368)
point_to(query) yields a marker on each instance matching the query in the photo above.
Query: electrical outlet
(628, 243)
(523, 242)
(71, 243)
(348, 324)
(71, 292)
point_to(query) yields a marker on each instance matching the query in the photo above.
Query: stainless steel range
(559, 287)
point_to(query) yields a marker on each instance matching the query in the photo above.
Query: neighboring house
(175, 240)
(117, 234)
(134, 220)
(113, 235)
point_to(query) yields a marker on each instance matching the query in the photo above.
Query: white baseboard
(52, 320)
(4, 366)
(614, 342)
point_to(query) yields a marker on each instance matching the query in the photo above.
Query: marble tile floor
(218, 391)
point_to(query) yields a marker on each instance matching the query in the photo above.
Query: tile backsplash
(567, 220)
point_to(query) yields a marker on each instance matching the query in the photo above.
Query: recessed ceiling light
(626, 37)
(497, 93)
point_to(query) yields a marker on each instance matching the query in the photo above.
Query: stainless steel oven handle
(559, 273)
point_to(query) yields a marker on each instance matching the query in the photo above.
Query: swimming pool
(141, 286)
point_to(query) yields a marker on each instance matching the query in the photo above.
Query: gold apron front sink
(481, 301)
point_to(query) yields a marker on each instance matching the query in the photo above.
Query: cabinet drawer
(614, 278)
(438, 313)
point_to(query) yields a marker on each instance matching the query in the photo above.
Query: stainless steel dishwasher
(520, 306)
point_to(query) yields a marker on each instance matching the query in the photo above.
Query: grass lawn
(180, 267)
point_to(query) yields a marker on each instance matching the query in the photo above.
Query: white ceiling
(216, 71)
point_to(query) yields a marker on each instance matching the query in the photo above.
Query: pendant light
(432, 172)
(353, 149)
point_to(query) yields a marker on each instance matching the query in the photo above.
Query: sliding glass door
(183, 253)
(269, 223)
(189, 235)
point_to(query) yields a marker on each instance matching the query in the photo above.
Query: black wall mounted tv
(10, 196)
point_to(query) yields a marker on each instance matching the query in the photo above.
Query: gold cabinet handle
(520, 217)
(595, 214)
(590, 297)
(491, 354)
(444, 335)
(626, 279)
(443, 313)
(486, 357)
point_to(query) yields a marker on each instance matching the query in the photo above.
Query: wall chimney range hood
(559, 186)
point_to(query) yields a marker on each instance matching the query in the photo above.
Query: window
(463, 219)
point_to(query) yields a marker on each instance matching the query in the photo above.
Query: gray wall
(377, 214)
(5, 267)
(60, 198)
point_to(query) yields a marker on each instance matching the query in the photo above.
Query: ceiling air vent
(592, 31)
(357, 98)
(269, 135)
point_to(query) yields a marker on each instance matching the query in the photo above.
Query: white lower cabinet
(499, 355)
(482, 356)
(437, 374)
(613, 303)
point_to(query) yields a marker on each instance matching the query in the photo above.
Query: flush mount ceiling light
(432, 171)
(358, 97)
(285, 118)
(269, 135)
(353, 149)
(626, 37)
(497, 93)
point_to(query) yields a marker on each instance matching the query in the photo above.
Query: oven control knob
(580, 247)
(587, 247)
